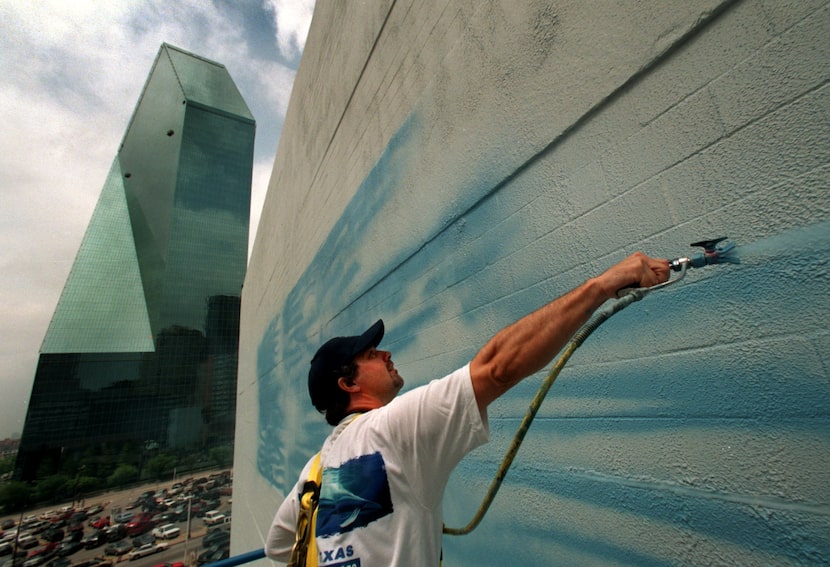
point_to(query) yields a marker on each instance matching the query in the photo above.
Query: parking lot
(186, 522)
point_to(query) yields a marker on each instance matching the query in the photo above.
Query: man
(388, 459)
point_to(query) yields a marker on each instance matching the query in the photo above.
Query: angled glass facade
(141, 353)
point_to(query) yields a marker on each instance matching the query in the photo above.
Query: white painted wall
(450, 166)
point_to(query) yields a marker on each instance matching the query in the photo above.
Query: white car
(27, 541)
(213, 517)
(147, 549)
(167, 531)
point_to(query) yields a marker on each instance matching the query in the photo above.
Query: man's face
(377, 375)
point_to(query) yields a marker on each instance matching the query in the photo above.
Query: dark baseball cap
(328, 362)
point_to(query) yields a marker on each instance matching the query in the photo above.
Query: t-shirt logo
(353, 496)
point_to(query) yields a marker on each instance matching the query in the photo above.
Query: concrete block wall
(451, 166)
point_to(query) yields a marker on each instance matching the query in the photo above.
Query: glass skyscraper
(141, 354)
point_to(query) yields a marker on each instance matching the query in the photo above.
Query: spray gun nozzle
(713, 253)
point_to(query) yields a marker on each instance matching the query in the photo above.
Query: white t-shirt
(384, 475)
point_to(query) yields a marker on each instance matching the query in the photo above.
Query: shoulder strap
(304, 552)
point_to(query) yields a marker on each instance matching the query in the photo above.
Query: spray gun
(713, 253)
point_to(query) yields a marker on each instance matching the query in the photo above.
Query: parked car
(180, 512)
(100, 522)
(123, 517)
(53, 535)
(94, 540)
(78, 516)
(197, 509)
(119, 548)
(116, 532)
(27, 541)
(213, 517)
(37, 526)
(147, 549)
(140, 526)
(34, 561)
(5, 548)
(143, 539)
(166, 518)
(46, 552)
(96, 509)
(67, 548)
(217, 537)
(174, 564)
(213, 553)
(76, 532)
(93, 562)
(59, 562)
(167, 531)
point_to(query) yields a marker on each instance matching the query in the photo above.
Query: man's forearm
(526, 346)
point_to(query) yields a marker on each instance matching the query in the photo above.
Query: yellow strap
(315, 474)
(304, 552)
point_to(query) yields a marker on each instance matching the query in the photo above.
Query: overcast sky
(70, 76)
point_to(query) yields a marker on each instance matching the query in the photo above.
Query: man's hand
(638, 270)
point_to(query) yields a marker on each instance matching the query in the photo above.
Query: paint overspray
(799, 241)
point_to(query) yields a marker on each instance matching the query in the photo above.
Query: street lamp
(187, 535)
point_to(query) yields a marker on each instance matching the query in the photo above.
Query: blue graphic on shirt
(353, 496)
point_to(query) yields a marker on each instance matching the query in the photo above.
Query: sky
(70, 77)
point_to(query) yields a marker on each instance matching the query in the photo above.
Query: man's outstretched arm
(526, 346)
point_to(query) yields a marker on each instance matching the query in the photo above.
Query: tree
(6, 465)
(161, 464)
(15, 496)
(52, 487)
(122, 475)
(87, 484)
(221, 456)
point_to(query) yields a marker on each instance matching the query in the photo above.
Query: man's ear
(347, 386)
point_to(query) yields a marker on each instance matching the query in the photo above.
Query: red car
(100, 523)
(140, 524)
(46, 550)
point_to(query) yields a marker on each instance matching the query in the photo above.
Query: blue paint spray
(799, 241)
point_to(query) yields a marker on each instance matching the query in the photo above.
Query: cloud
(292, 19)
(70, 76)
